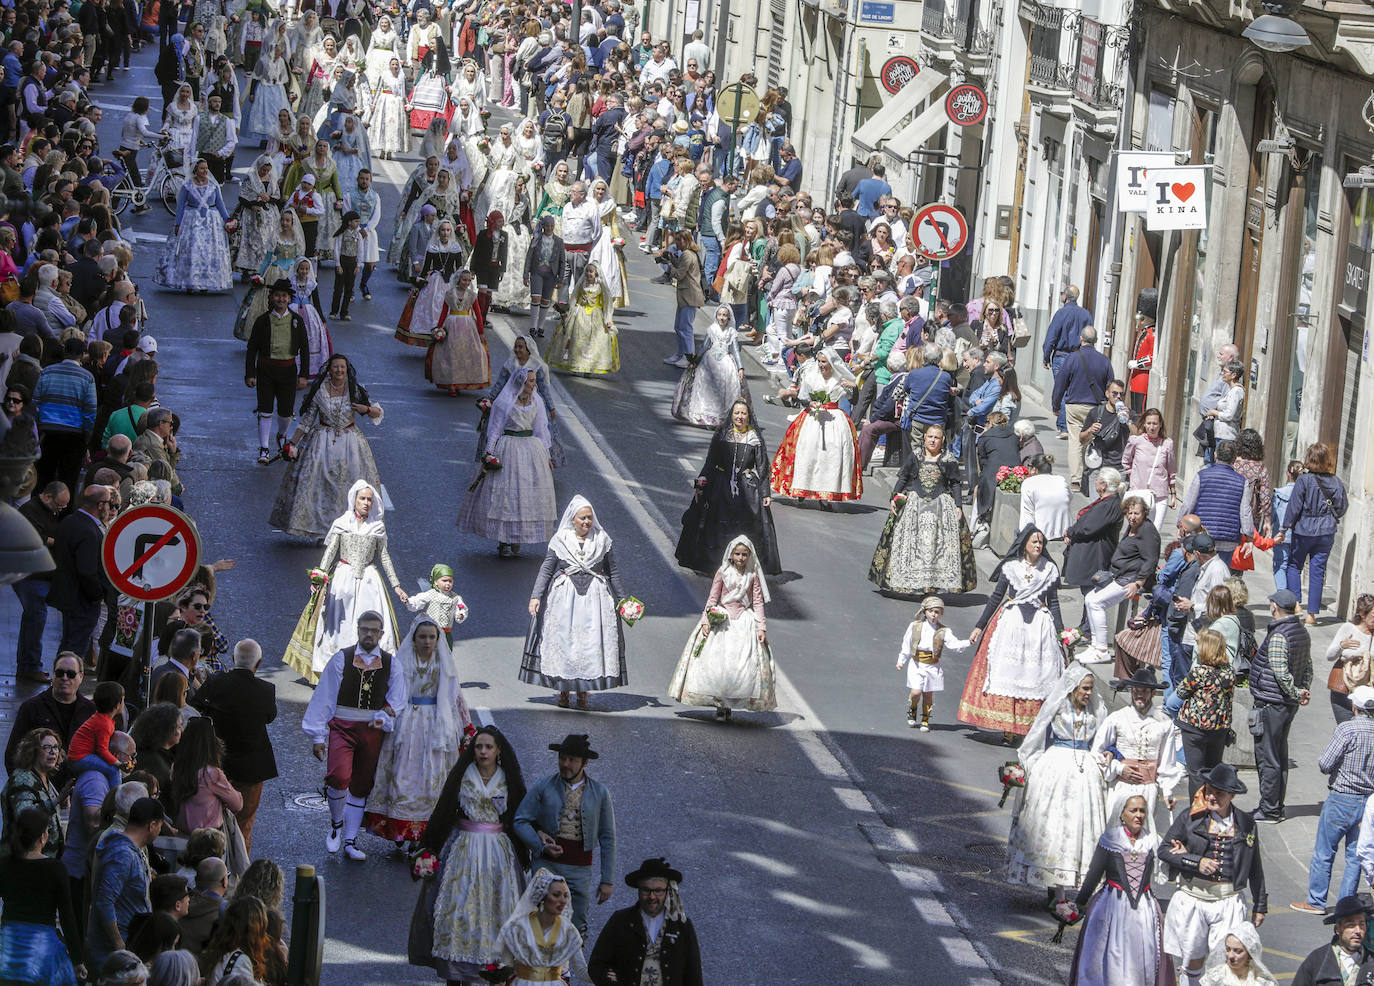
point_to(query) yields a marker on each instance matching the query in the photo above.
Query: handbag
(1020, 331)
(1092, 457)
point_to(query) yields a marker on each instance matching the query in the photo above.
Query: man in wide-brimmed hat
(1215, 849)
(652, 942)
(564, 817)
(277, 363)
(1144, 744)
(1347, 957)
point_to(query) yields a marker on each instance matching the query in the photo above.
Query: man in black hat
(1144, 744)
(652, 942)
(1280, 682)
(277, 363)
(1346, 960)
(1216, 852)
(564, 817)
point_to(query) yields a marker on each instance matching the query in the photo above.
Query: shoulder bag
(1092, 455)
(1020, 331)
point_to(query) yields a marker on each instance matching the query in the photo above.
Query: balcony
(1073, 60)
(951, 32)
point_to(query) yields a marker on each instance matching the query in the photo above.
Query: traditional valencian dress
(303, 287)
(540, 956)
(259, 217)
(726, 665)
(1122, 941)
(460, 360)
(925, 546)
(426, 742)
(279, 262)
(714, 382)
(1061, 810)
(1019, 657)
(541, 386)
(331, 456)
(197, 255)
(816, 459)
(585, 340)
(456, 926)
(730, 492)
(515, 503)
(575, 641)
(353, 550)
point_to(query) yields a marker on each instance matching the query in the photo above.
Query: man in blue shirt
(1081, 385)
(1062, 337)
(790, 173)
(653, 192)
(119, 880)
(869, 191)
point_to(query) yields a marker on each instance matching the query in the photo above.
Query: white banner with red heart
(1177, 198)
(1133, 170)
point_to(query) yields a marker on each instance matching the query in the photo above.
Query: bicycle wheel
(120, 195)
(171, 185)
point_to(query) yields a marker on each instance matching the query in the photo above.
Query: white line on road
(386, 497)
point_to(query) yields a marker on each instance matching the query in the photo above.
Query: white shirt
(1045, 503)
(581, 223)
(656, 71)
(653, 925)
(324, 703)
(1364, 850)
(699, 52)
(231, 135)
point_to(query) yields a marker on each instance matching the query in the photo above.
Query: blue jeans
(94, 761)
(33, 597)
(77, 629)
(1281, 552)
(579, 879)
(1175, 660)
(1317, 550)
(682, 325)
(710, 249)
(1056, 362)
(1340, 819)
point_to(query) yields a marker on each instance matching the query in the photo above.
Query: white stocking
(336, 800)
(264, 430)
(353, 817)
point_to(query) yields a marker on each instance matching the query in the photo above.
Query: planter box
(1005, 522)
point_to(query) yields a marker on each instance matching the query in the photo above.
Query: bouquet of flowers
(486, 115)
(717, 616)
(483, 144)
(1071, 637)
(440, 334)
(631, 610)
(536, 166)
(484, 405)
(1011, 774)
(423, 865)
(561, 307)
(618, 242)
(820, 397)
(1067, 913)
(490, 462)
(257, 280)
(289, 452)
(495, 973)
(318, 576)
(899, 500)
(231, 226)
(1010, 478)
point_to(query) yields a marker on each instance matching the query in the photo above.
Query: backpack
(555, 130)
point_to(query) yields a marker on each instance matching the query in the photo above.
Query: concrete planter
(1241, 753)
(1005, 522)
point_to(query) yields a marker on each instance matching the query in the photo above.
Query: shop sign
(1355, 290)
(966, 105)
(897, 71)
(1178, 198)
(1132, 177)
(1087, 60)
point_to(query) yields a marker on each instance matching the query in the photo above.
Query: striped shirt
(65, 398)
(1349, 757)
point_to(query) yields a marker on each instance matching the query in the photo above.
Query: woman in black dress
(731, 498)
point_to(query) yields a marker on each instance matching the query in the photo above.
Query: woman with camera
(684, 271)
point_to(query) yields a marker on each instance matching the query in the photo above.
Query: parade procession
(529, 491)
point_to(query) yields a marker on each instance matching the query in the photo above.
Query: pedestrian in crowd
(1349, 656)
(1210, 399)
(1149, 464)
(60, 707)
(33, 887)
(565, 819)
(1315, 508)
(1080, 386)
(1206, 693)
(205, 905)
(1131, 570)
(1104, 434)
(1062, 339)
(78, 582)
(652, 941)
(119, 880)
(1348, 957)
(1282, 548)
(1280, 683)
(43, 512)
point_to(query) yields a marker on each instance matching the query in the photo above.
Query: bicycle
(168, 175)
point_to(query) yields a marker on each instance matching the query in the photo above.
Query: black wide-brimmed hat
(1350, 906)
(1223, 778)
(1144, 677)
(653, 869)
(575, 745)
(281, 284)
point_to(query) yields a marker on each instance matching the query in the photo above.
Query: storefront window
(1305, 267)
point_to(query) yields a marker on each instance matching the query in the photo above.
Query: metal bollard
(307, 929)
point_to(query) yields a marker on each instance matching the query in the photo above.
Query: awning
(914, 137)
(877, 127)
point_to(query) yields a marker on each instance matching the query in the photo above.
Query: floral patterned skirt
(925, 546)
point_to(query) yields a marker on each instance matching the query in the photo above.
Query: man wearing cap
(1280, 678)
(564, 817)
(1346, 960)
(1143, 744)
(1212, 571)
(1215, 850)
(308, 207)
(651, 943)
(1349, 760)
(277, 364)
(349, 715)
(119, 880)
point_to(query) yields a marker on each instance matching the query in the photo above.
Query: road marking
(386, 498)
(485, 717)
(134, 236)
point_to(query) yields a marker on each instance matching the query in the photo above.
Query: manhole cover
(309, 802)
(943, 864)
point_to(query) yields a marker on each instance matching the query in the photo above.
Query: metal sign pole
(734, 129)
(145, 672)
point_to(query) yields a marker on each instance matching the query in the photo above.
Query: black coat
(78, 581)
(622, 944)
(1321, 968)
(1094, 535)
(241, 705)
(997, 446)
(88, 283)
(488, 261)
(260, 344)
(1137, 556)
(1192, 833)
(42, 711)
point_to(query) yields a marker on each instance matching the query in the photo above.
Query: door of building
(1252, 241)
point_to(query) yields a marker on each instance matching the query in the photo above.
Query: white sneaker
(671, 360)
(681, 363)
(334, 840)
(352, 851)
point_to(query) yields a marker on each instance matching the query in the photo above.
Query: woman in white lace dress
(388, 126)
(458, 357)
(427, 739)
(471, 84)
(457, 922)
(181, 122)
(259, 215)
(267, 95)
(331, 452)
(358, 568)
(711, 385)
(505, 163)
(197, 254)
(383, 46)
(512, 501)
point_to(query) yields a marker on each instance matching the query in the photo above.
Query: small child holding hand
(922, 645)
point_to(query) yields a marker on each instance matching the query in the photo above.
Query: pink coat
(735, 608)
(1148, 466)
(206, 808)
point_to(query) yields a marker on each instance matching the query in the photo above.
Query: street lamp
(1276, 30)
(22, 552)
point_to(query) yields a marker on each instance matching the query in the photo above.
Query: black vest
(363, 689)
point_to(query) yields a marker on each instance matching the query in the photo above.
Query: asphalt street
(825, 842)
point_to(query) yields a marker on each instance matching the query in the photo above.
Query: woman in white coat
(1045, 499)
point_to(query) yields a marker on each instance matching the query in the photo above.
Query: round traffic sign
(897, 71)
(737, 103)
(151, 552)
(940, 231)
(966, 105)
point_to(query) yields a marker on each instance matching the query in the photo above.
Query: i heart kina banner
(1177, 198)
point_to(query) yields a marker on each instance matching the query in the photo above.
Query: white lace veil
(505, 402)
(752, 567)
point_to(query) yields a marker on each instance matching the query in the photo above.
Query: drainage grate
(943, 864)
(998, 849)
(309, 801)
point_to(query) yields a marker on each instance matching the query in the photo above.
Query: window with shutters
(777, 37)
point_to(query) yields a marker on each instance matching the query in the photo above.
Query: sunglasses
(14, 400)
(63, 673)
(199, 606)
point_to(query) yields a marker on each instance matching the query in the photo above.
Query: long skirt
(726, 666)
(816, 459)
(575, 642)
(261, 121)
(1121, 945)
(581, 344)
(345, 599)
(33, 953)
(512, 292)
(707, 390)
(197, 258)
(1059, 816)
(460, 360)
(257, 232)
(990, 710)
(516, 503)
(321, 345)
(314, 489)
(457, 921)
(415, 762)
(422, 312)
(925, 546)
